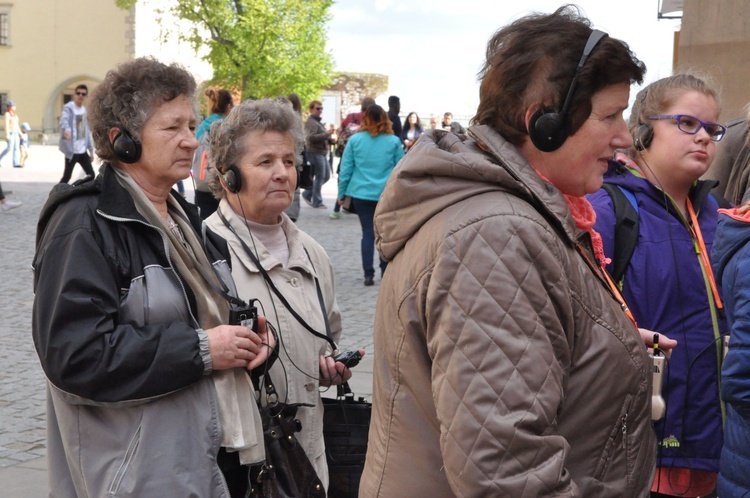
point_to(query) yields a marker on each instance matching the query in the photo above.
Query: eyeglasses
(692, 125)
(83, 94)
(318, 108)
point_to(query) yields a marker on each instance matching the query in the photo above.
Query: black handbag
(346, 423)
(286, 472)
(305, 173)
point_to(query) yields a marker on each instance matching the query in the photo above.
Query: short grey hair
(130, 94)
(226, 139)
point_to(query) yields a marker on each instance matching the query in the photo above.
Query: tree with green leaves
(264, 48)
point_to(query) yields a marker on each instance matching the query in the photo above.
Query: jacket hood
(732, 234)
(443, 169)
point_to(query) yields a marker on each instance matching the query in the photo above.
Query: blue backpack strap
(626, 229)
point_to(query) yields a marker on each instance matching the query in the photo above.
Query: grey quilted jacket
(503, 365)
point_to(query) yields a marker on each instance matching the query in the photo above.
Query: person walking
(7, 204)
(317, 141)
(349, 126)
(75, 136)
(368, 160)
(12, 135)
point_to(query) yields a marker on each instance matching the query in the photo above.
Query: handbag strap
(278, 293)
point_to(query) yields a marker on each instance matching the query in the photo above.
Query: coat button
(295, 282)
(310, 386)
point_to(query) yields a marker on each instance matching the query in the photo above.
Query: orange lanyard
(700, 248)
(611, 283)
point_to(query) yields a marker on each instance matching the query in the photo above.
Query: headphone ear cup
(125, 148)
(548, 130)
(643, 136)
(232, 179)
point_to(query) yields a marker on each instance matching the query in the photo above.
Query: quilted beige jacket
(503, 365)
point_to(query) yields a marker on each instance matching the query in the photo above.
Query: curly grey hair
(130, 94)
(226, 139)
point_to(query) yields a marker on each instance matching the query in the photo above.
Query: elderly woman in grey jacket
(253, 171)
(148, 383)
(505, 362)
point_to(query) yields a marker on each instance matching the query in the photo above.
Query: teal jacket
(206, 124)
(366, 165)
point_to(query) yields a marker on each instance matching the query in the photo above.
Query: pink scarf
(585, 217)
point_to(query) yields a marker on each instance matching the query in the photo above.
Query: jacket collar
(115, 201)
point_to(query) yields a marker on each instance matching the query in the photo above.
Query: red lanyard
(612, 285)
(703, 253)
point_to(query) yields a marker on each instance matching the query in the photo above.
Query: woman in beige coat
(505, 363)
(252, 157)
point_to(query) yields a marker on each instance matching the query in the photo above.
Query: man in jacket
(317, 141)
(505, 364)
(394, 107)
(75, 135)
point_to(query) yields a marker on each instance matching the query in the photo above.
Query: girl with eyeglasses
(668, 283)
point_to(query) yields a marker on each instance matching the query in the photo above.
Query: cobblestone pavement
(22, 384)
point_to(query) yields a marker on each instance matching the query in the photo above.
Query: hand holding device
(658, 405)
(350, 359)
(246, 316)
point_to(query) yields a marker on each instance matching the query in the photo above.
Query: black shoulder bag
(286, 471)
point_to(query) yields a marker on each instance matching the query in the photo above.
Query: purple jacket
(665, 289)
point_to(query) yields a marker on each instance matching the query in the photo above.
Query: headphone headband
(594, 38)
(549, 129)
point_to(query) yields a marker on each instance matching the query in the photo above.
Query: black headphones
(549, 129)
(232, 179)
(644, 133)
(125, 148)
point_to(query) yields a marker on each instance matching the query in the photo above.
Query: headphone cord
(273, 304)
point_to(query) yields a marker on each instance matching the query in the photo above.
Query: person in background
(412, 130)
(220, 102)
(505, 364)
(293, 211)
(731, 264)
(732, 164)
(12, 131)
(148, 388)
(317, 141)
(394, 108)
(7, 204)
(23, 141)
(259, 144)
(434, 123)
(75, 136)
(668, 285)
(369, 158)
(349, 126)
(452, 126)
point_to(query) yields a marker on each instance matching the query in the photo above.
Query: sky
(432, 50)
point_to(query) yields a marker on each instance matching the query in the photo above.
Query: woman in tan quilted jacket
(505, 362)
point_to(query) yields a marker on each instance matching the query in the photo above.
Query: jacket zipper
(164, 240)
(125, 463)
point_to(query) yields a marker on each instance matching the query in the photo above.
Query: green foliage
(264, 48)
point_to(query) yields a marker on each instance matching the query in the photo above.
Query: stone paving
(22, 382)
